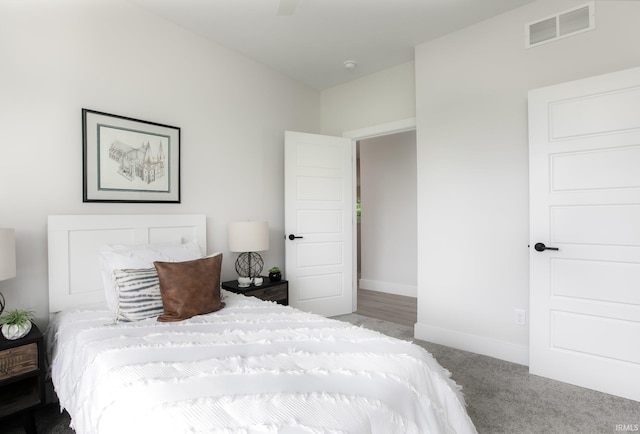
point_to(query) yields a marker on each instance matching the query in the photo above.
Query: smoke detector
(350, 65)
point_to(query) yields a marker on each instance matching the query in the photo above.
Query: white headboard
(74, 242)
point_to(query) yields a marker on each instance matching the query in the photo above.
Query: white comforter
(251, 367)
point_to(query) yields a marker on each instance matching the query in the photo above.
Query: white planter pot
(14, 331)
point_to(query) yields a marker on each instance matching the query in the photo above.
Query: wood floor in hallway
(399, 309)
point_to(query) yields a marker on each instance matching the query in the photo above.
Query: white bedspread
(251, 367)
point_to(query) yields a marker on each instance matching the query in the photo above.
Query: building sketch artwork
(138, 162)
(128, 160)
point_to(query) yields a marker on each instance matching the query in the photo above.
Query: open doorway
(386, 227)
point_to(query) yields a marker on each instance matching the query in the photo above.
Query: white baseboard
(389, 287)
(476, 344)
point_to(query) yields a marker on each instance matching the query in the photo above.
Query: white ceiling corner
(309, 40)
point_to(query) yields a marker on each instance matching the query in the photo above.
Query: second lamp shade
(248, 236)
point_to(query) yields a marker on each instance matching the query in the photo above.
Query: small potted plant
(275, 274)
(16, 323)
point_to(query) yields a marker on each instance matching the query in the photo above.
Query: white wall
(376, 99)
(471, 93)
(389, 214)
(58, 57)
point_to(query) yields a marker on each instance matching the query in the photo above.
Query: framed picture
(129, 160)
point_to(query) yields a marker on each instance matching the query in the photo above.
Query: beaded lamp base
(249, 264)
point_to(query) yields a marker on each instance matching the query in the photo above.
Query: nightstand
(273, 291)
(22, 376)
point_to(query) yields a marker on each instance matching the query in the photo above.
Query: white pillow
(121, 257)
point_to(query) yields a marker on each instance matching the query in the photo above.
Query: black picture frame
(129, 160)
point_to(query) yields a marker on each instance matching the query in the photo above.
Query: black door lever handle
(540, 247)
(293, 237)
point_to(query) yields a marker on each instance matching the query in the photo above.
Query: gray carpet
(502, 397)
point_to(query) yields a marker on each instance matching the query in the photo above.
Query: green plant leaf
(17, 316)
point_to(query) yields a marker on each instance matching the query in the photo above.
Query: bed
(248, 366)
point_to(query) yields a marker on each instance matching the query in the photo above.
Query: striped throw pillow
(137, 294)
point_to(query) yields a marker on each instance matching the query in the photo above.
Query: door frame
(408, 124)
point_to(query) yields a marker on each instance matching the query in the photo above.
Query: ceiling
(309, 40)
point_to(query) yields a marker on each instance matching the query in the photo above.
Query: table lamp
(7, 258)
(249, 238)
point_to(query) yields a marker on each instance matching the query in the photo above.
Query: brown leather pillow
(189, 288)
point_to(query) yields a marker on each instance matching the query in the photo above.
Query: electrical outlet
(520, 317)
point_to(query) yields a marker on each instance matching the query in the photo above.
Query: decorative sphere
(249, 264)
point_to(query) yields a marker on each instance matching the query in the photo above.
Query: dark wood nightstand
(273, 291)
(22, 375)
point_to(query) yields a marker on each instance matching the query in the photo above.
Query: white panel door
(318, 216)
(584, 140)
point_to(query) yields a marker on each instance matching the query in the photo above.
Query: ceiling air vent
(567, 23)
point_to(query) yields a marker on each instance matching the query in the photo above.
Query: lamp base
(1, 303)
(249, 264)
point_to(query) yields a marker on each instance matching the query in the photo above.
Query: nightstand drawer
(19, 360)
(273, 293)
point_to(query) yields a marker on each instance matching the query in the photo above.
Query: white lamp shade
(248, 236)
(7, 253)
